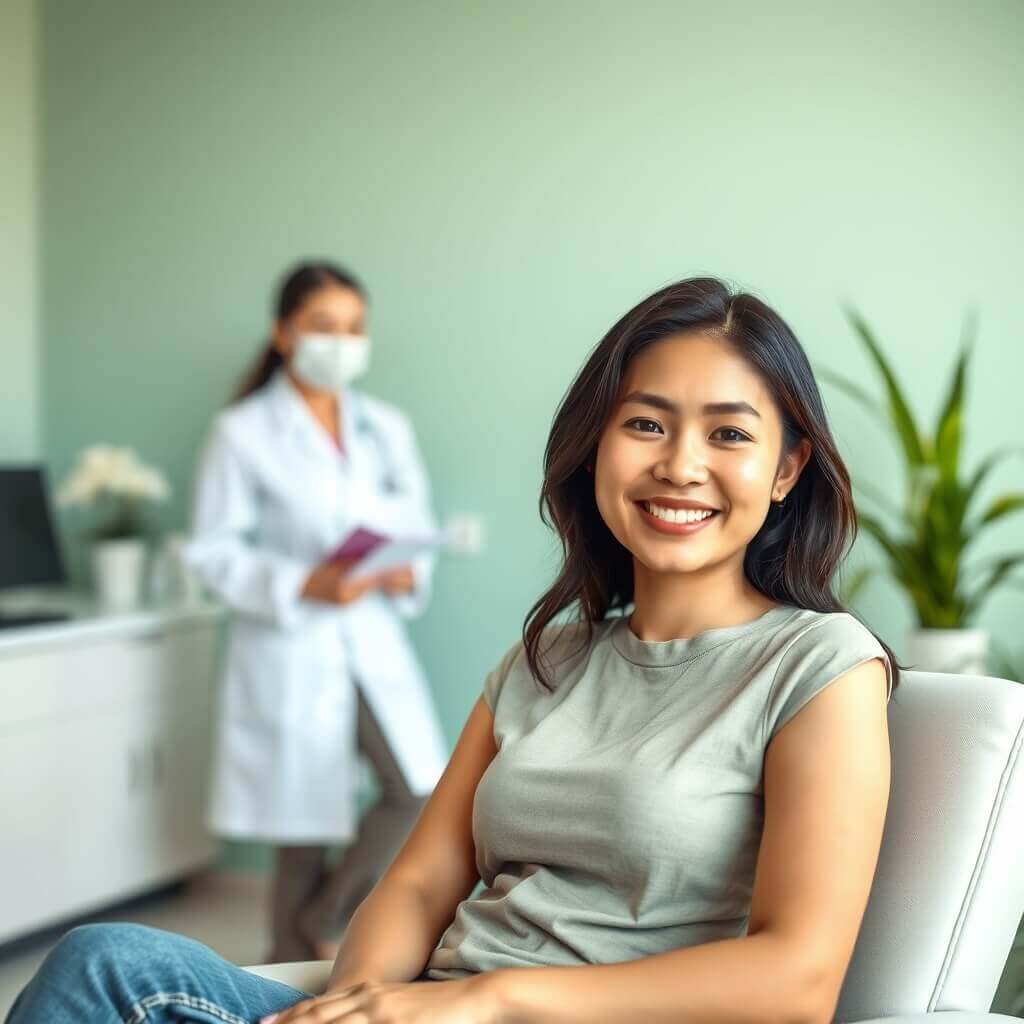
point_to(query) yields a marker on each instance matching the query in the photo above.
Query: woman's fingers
(317, 1010)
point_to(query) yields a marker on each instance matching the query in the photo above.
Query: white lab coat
(273, 496)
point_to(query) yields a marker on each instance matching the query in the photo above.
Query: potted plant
(927, 536)
(118, 486)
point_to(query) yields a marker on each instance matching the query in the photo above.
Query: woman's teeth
(678, 515)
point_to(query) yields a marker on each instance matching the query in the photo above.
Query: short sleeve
(817, 657)
(495, 679)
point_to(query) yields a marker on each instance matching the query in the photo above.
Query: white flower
(118, 472)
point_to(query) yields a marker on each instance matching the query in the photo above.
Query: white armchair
(308, 976)
(948, 894)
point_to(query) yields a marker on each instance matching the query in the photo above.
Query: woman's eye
(739, 435)
(641, 420)
(731, 433)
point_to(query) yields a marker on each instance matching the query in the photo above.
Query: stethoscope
(388, 482)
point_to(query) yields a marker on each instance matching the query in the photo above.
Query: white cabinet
(105, 731)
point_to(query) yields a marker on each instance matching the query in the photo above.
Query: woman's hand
(466, 1001)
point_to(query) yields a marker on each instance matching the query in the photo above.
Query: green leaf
(899, 411)
(912, 567)
(949, 429)
(985, 563)
(988, 464)
(903, 559)
(1000, 568)
(971, 489)
(941, 542)
(879, 496)
(1002, 507)
(855, 391)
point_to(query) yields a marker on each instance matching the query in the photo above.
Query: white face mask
(330, 361)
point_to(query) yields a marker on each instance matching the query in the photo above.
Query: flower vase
(958, 651)
(118, 571)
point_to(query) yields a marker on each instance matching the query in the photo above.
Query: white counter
(91, 622)
(105, 735)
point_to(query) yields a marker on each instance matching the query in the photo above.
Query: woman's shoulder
(807, 627)
(815, 649)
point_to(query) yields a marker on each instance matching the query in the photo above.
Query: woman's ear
(280, 340)
(792, 466)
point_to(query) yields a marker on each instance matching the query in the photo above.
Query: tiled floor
(226, 911)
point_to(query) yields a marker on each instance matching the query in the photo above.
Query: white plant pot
(118, 570)
(959, 651)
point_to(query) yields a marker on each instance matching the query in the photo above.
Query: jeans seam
(140, 1010)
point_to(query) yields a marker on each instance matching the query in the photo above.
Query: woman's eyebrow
(710, 409)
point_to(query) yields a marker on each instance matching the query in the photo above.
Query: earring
(781, 501)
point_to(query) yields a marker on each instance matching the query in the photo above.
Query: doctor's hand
(329, 583)
(465, 1001)
(397, 581)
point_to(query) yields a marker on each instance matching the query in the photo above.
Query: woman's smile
(680, 522)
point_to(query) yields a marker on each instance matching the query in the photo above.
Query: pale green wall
(509, 178)
(19, 188)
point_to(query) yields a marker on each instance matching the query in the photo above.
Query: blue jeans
(134, 974)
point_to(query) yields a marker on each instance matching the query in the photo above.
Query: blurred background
(507, 179)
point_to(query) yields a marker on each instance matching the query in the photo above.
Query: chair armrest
(308, 976)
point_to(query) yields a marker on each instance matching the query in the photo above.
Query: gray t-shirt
(622, 815)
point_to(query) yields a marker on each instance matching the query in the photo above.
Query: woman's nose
(684, 461)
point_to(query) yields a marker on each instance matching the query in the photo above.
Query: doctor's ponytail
(295, 286)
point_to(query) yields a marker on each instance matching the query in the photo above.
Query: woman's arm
(395, 929)
(826, 791)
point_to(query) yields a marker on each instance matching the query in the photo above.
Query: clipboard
(376, 552)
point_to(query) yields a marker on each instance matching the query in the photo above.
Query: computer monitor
(29, 555)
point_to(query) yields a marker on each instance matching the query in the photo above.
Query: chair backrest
(948, 893)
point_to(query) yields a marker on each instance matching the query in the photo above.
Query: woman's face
(332, 309)
(693, 421)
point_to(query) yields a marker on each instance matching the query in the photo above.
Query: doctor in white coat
(318, 665)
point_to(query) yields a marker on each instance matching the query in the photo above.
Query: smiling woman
(675, 800)
(696, 398)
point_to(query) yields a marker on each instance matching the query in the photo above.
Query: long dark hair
(792, 558)
(296, 284)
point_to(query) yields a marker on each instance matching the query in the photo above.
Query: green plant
(936, 522)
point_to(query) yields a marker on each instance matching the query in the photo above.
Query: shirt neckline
(667, 653)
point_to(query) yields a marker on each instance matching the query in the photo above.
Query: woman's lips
(678, 529)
